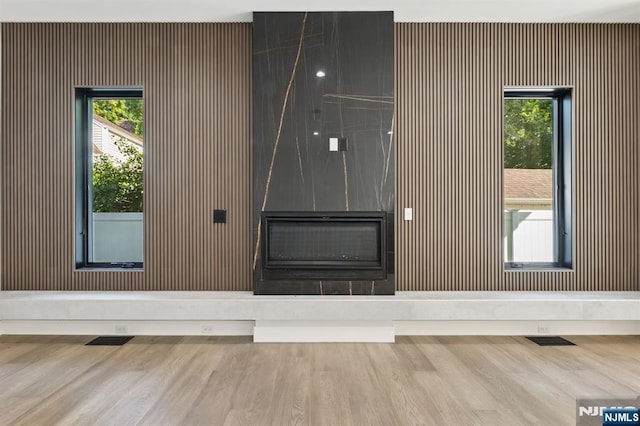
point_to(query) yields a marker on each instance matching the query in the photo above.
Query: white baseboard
(324, 331)
(515, 328)
(318, 331)
(132, 328)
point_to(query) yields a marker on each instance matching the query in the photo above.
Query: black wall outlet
(219, 216)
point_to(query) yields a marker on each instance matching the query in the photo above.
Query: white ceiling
(240, 10)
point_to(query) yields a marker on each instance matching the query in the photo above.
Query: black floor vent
(109, 341)
(550, 341)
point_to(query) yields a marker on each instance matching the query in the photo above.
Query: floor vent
(109, 341)
(550, 341)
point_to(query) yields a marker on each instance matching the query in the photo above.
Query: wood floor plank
(256, 386)
(77, 380)
(330, 400)
(501, 385)
(537, 366)
(43, 376)
(292, 387)
(470, 389)
(397, 370)
(214, 402)
(49, 380)
(189, 371)
(133, 403)
(411, 356)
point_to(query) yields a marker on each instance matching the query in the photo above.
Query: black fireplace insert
(324, 245)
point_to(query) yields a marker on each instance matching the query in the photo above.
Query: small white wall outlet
(333, 144)
(207, 329)
(543, 328)
(121, 329)
(408, 213)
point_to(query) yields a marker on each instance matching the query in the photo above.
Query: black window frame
(562, 176)
(84, 166)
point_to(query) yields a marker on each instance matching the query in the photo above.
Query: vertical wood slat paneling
(449, 80)
(196, 80)
(449, 84)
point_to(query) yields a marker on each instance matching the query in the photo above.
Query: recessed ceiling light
(316, 133)
(320, 74)
(389, 132)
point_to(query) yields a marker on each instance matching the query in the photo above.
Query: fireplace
(324, 245)
(323, 212)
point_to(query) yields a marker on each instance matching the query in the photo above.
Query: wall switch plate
(219, 216)
(408, 213)
(333, 144)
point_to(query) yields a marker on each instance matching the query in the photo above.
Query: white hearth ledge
(362, 318)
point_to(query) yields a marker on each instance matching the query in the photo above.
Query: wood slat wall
(196, 77)
(450, 80)
(197, 88)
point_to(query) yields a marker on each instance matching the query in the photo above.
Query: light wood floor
(231, 381)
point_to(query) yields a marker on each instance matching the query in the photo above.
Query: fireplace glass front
(324, 245)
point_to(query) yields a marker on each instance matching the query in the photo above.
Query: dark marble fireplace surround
(318, 76)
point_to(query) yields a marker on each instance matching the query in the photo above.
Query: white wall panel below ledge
(244, 306)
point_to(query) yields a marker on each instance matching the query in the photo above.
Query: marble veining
(277, 139)
(318, 75)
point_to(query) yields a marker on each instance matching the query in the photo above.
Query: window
(537, 178)
(109, 178)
